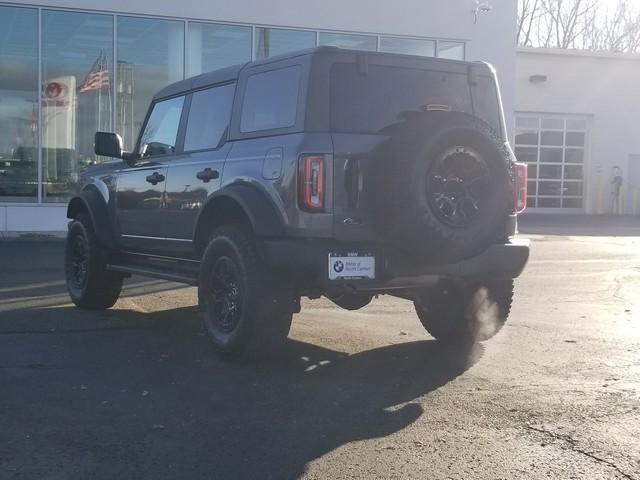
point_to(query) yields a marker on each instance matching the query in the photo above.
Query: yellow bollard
(600, 196)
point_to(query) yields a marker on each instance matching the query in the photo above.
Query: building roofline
(578, 53)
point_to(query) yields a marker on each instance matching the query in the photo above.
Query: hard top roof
(230, 74)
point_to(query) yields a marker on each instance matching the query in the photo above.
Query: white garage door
(554, 147)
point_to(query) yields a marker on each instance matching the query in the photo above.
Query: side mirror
(108, 144)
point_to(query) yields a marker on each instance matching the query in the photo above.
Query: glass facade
(66, 74)
(77, 56)
(18, 105)
(275, 41)
(150, 56)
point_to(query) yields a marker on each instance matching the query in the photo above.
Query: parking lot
(137, 392)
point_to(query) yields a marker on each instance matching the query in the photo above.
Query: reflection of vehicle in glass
(18, 176)
(327, 172)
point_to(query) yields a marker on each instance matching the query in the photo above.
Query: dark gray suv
(326, 172)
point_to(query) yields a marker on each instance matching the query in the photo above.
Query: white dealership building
(71, 67)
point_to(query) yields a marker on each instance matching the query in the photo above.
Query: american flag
(98, 76)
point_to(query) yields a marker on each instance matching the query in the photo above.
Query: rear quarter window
(271, 100)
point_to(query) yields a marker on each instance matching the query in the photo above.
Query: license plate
(352, 266)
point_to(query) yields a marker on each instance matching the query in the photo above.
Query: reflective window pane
(573, 189)
(574, 155)
(410, 46)
(213, 46)
(451, 50)
(576, 124)
(552, 138)
(77, 67)
(549, 188)
(527, 155)
(551, 155)
(575, 139)
(524, 137)
(348, 40)
(551, 171)
(209, 117)
(549, 203)
(271, 100)
(553, 123)
(573, 172)
(161, 132)
(276, 41)
(150, 56)
(18, 104)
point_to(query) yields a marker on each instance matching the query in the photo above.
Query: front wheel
(91, 286)
(465, 313)
(247, 310)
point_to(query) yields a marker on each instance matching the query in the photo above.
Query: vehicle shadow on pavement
(124, 394)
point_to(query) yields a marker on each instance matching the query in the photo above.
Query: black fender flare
(91, 201)
(260, 211)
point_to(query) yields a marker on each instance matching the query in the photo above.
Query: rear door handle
(155, 178)
(207, 174)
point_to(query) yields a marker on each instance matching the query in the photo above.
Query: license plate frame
(351, 265)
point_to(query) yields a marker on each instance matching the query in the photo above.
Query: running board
(190, 278)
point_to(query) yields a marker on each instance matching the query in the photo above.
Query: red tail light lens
(520, 177)
(311, 183)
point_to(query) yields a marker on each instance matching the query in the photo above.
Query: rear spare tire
(445, 188)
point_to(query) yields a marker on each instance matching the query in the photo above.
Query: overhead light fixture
(480, 7)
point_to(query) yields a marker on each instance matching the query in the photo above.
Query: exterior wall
(491, 39)
(603, 87)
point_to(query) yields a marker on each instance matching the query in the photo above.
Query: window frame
(187, 111)
(302, 61)
(179, 135)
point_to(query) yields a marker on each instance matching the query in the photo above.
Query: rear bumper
(307, 263)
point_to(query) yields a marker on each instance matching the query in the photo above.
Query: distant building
(578, 128)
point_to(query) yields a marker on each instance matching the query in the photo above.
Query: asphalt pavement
(136, 392)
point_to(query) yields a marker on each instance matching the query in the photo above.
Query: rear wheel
(90, 284)
(247, 310)
(464, 313)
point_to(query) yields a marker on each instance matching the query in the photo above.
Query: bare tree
(528, 13)
(581, 24)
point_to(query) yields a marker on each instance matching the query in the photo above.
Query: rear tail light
(311, 183)
(520, 177)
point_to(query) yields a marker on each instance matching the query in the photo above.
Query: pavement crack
(576, 448)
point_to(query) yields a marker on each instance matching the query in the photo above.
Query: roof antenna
(481, 7)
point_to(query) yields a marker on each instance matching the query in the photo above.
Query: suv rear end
(372, 109)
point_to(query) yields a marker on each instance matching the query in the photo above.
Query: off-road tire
(407, 215)
(261, 303)
(463, 313)
(90, 285)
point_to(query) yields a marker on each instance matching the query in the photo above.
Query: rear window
(271, 100)
(371, 102)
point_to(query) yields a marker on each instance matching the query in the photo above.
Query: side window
(161, 132)
(209, 117)
(271, 100)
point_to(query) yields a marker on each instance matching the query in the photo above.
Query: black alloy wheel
(79, 262)
(457, 186)
(225, 294)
